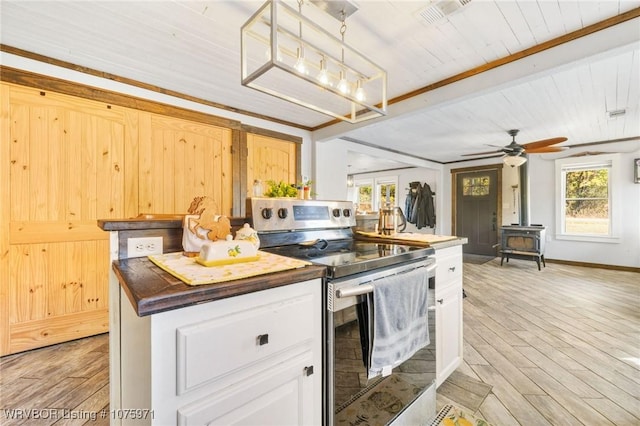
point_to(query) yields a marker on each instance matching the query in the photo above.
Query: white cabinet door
(449, 333)
(282, 395)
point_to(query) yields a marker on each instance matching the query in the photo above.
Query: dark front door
(477, 210)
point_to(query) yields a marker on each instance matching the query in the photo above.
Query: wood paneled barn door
(62, 168)
(179, 160)
(270, 159)
(66, 162)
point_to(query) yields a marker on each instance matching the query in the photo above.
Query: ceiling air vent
(439, 9)
(617, 113)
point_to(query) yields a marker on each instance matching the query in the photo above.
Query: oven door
(405, 397)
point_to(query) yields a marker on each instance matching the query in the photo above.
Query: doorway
(477, 207)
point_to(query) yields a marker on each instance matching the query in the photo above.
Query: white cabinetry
(249, 359)
(448, 295)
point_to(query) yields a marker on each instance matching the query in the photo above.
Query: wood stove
(522, 242)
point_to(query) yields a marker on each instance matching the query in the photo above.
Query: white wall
(542, 204)
(330, 165)
(330, 171)
(423, 175)
(405, 176)
(625, 252)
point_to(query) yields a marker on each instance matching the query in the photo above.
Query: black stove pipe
(524, 192)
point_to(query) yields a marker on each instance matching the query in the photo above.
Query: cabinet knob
(452, 268)
(308, 370)
(440, 301)
(262, 339)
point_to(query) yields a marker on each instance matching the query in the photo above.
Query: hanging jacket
(423, 210)
(410, 200)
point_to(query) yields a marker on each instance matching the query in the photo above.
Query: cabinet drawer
(219, 346)
(449, 268)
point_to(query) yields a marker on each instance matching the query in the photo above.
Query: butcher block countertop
(151, 290)
(427, 240)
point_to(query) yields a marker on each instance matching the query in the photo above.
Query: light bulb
(360, 94)
(343, 85)
(300, 65)
(323, 75)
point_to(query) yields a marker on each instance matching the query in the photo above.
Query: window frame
(385, 180)
(564, 165)
(357, 183)
(375, 183)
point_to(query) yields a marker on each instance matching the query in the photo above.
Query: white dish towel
(399, 311)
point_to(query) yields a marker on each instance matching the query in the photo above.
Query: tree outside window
(387, 190)
(364, 202)
(588, 203)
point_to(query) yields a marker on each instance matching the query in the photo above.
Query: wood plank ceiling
(193, 48)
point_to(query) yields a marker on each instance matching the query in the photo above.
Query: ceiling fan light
(514, 160)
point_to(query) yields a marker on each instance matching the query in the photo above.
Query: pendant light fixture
(307, 65)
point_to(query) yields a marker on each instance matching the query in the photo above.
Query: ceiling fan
(516, 150)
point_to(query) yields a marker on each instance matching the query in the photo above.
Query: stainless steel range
(321, 232)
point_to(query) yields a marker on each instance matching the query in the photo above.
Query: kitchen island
(247, 350)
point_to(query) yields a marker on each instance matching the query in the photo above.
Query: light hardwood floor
(559, 346)
(66, 384)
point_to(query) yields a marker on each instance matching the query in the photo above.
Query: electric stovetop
(348, 257)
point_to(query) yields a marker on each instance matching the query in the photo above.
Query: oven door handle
(368, 288)
(354, 291)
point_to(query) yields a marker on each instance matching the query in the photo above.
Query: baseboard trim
(594, 265)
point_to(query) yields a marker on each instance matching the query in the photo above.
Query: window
(364, 196)
(386, 191)
(371, 193)
(475, 186)
(587, 201)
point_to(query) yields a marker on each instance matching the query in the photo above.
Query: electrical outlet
(138, 247)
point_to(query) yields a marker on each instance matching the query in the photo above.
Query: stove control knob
(336, 212)
(282, 213)
(346, 212)
(267, 213)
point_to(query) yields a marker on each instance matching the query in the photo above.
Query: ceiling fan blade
(542, 143)
(546, 149)
(482, 153)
